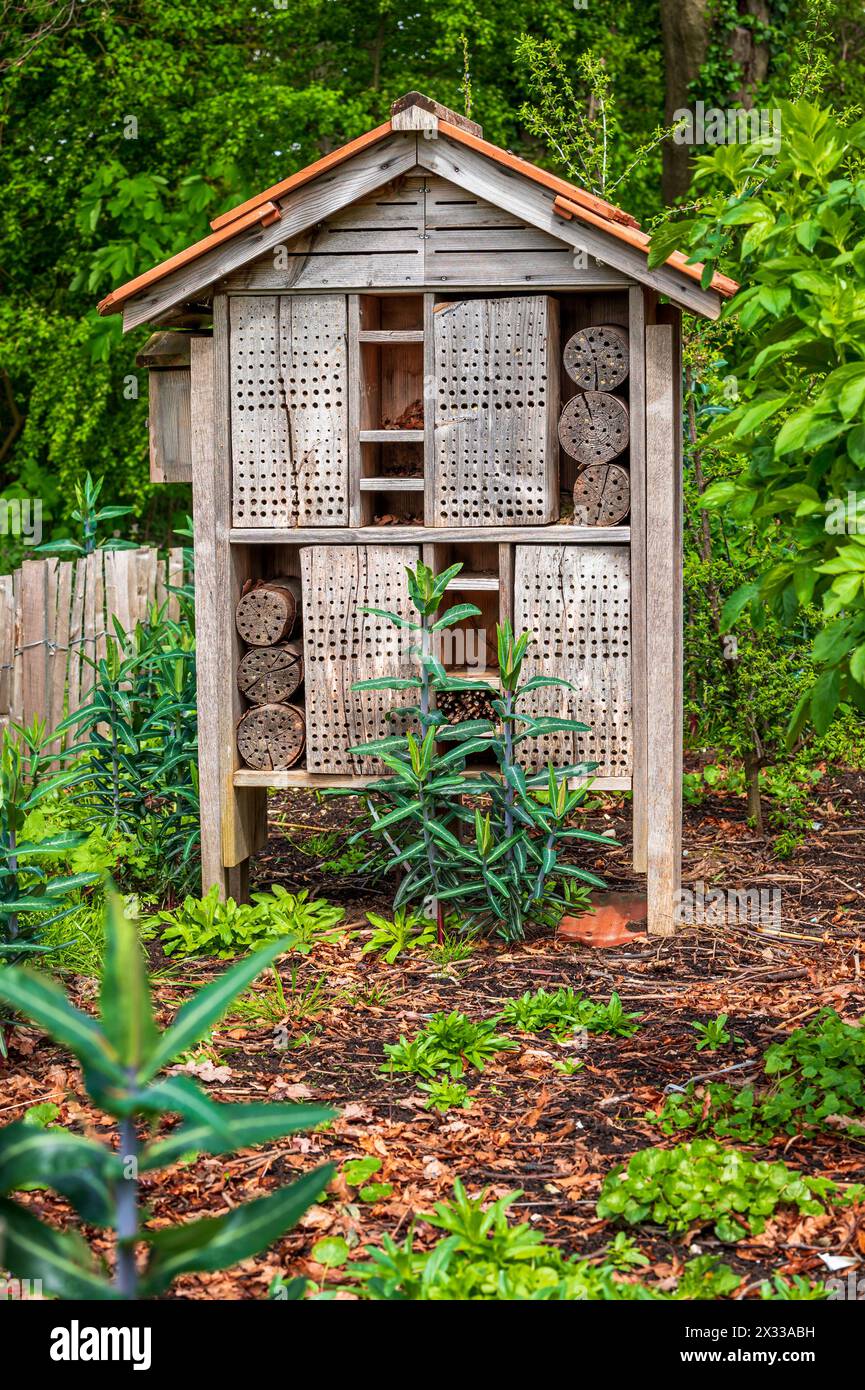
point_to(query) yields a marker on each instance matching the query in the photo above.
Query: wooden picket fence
(54, 619)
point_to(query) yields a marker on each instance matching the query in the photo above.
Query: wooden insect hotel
(422, 346)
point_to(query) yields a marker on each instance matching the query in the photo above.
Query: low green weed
(449, 1043)
(703, 1183)
(408, 931)
(565, 1010)
(206, 926)
(482, 1255)
(446, 1095)
(812, 1076)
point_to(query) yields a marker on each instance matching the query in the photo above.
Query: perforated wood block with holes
(343, 645)
(576, 599)
(496, 412)
(289, 410)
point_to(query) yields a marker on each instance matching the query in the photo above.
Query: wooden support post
(637, 389)
(233, 820)
(664, 625)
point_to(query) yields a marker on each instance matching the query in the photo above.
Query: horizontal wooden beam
(418, 535)
(299, 777)
(391, 484)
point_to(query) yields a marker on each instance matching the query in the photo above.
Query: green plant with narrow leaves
(137, 743)
(565, 1010)
(499, 865)
(89, 516)
(448, 1043)
(712, 1035)
(31, 897)
(122, 1054)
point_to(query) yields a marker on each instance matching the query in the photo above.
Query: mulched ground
(530, 1126)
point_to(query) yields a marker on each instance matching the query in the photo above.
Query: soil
(554, 1136)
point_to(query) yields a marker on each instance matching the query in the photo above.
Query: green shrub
(406, 932)
(122, 1055)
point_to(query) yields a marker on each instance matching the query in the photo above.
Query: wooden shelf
(390, 335)
(419, 535)
(391, 485)
(467, 673)
(474, 583)
(390, 436)
(299, 777)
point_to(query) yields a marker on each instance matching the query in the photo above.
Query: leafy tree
(793, 224)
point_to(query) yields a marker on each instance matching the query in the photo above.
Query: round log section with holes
(271, 675)
(594, 427)
(602, 495)
(267, 613)
(597, 359)
(272, 736)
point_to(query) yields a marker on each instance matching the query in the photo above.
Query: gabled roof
(416, 112)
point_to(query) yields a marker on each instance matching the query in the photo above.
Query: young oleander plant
(499, 866)
(122, 1055)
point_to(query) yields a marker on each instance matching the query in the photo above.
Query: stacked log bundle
(272, 736)
(272, 733)
(268, 611)
(271, 675)
(594, 427)
(459, 705)
(597, 359)
(602, 495)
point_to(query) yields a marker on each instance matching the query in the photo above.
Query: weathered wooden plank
(175, 581)
(289, 410)
(34, 637)
(343, 645)
(243, 815)
(168, 421)
(375, 535)
(663, 628)
(7, 647)
(496, 408)
(637, 469)
(300, 777)
(76, 635)
(576, 602)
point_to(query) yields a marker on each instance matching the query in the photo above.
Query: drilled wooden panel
(496, 459)
(576, 601)
(343, 645)
(289, 410)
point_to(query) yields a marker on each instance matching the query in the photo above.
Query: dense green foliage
(122, 1056)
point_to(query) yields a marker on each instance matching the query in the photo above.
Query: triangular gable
(535, 198)
(421, 231)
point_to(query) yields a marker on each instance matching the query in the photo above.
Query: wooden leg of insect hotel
(664, 624)
(233, 820)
